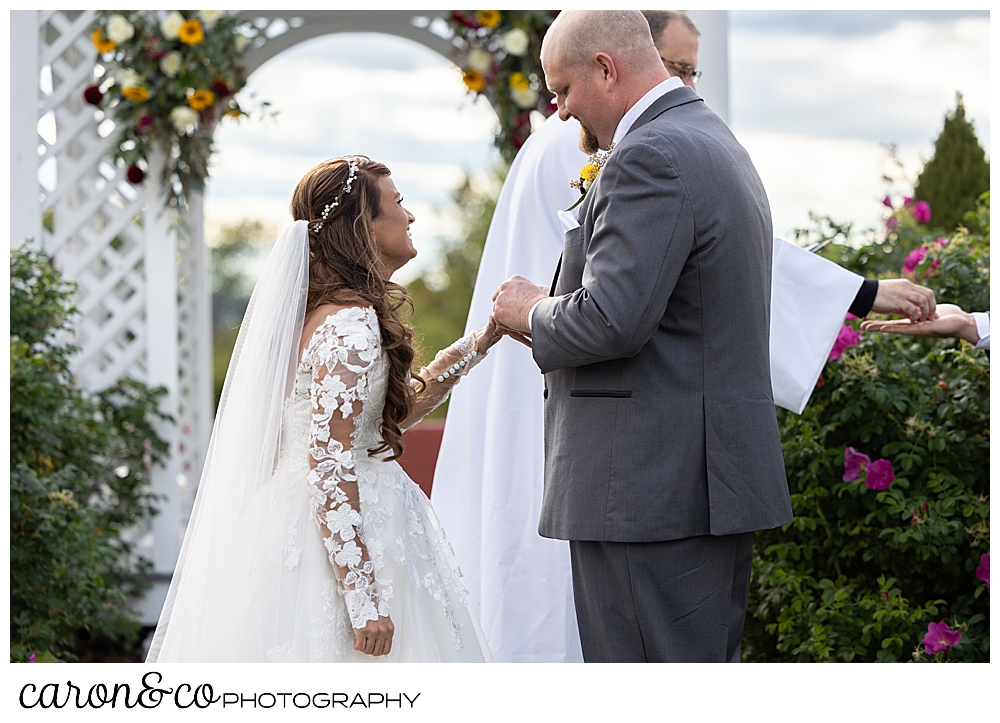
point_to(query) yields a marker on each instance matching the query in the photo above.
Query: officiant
(488, 482)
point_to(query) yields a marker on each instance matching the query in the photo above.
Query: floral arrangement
(498, 51)
(166, 79)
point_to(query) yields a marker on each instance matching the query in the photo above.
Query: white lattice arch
(143, 293)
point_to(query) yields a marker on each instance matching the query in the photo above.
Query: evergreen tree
(957, 174)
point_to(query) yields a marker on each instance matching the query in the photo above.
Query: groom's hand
(513, 300)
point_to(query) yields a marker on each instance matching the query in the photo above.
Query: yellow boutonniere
(588, 174)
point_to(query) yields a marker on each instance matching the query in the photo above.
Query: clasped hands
(512, 302)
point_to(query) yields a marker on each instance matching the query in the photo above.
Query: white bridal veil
(215, 563)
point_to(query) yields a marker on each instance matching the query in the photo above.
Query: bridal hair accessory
(588, 174)
(352, 173)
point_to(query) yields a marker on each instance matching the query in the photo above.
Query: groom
(661, 444)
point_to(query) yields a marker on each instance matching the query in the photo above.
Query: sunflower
(489, 18)
(519, 81)
(135, 93)
(102, 43)
(201, 99)
(473, 80)
(190, 33)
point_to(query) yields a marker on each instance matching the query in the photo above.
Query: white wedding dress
(332, 504)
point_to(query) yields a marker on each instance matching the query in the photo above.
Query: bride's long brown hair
(345, 268)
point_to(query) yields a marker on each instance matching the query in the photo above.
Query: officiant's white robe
(488, 482)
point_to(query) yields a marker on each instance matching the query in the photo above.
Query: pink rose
(891, 223)
(940, 638)
(846, 338)
(922, 212)
(887, 202)
(908, 201)
(880, 475)
(854, 464)
(983, 571)
(913, 260)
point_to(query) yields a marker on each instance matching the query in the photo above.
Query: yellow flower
(589, 172)
(489, 18)
(519, 81)
(201, 99)
(102, 44)
(234, 113)
(473, 80)
(135, 93)
(190, 33)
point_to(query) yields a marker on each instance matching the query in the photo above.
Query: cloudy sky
(814, 96)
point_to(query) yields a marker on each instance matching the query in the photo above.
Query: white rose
(126, 77)
(515, 42)
(170, 26)
(210, 17)
(171, 63)
(527, 98)
(182, 116)
(119, 29)
(240, 42)
(480, 60)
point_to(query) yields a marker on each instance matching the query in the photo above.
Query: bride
(308, 542)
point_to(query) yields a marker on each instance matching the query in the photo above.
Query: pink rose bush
(940, 638)
(916, 257)
(921, 212)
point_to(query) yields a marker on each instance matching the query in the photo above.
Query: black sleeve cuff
(865, 299)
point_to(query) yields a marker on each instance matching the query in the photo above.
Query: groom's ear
(605, 65)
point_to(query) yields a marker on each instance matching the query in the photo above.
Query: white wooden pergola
(144, 295)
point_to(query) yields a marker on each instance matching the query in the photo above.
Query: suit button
(545, 394)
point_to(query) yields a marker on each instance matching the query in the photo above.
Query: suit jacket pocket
(602, 393)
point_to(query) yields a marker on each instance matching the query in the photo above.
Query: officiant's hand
(375, 638)
(513, 300)
(904, 298)
(951, 321)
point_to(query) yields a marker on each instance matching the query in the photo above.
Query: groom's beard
(588, 141)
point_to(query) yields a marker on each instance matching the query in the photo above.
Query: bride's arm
(449, 365)
(342, 352)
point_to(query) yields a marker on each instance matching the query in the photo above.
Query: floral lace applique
(282, 654)
(342, 354)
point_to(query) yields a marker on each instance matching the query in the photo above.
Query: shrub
(862, 572)
(79, 478)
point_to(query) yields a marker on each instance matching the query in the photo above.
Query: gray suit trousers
(680, 601)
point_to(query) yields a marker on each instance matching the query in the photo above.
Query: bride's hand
(375, 638)
(487, 336)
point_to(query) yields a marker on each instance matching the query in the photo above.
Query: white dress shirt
(982, 328)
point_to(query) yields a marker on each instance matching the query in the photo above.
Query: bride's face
(392, 227)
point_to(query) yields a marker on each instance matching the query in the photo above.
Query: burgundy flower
(887, 202)
(134, 174)
(924, 506)
(940, 638)
(922, 212)
(463, 19)
(154, 48)
(93, 95)
(144, 123)
(913, 260)
(983, 571)
(846, 338)
(221, 90)
(854, 464)
(880, 475)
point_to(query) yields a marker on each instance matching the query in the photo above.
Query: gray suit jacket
(659, 418)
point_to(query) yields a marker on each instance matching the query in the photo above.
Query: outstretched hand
(904, 298)
(488, 336)
(951, 321)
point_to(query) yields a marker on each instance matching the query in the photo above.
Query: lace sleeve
(441, 375)
(342, 352)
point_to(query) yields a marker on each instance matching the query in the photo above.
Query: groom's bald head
(576, 35)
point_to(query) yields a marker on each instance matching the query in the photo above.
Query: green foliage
(441, 298)
(957, 174)
(79, 478)
(860, 573)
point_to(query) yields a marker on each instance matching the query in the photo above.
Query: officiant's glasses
(683, 70)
